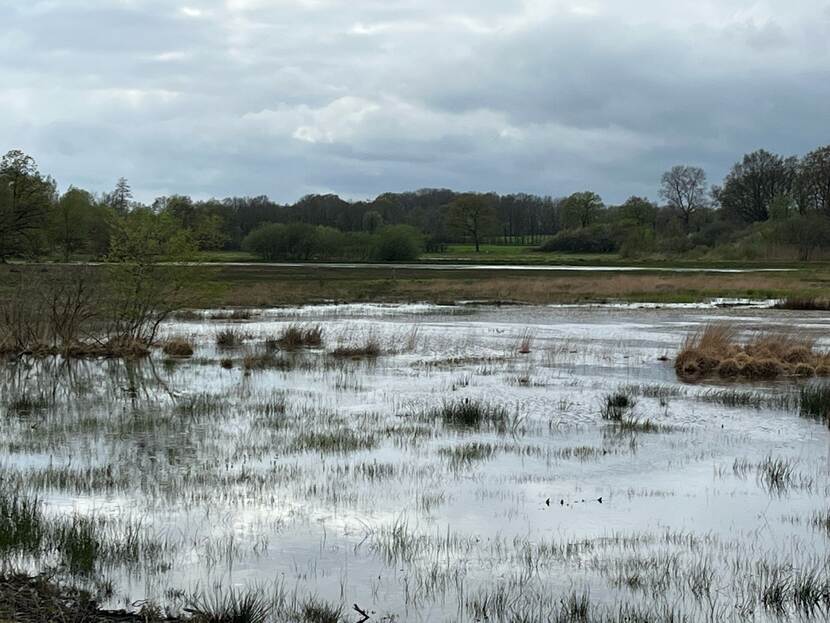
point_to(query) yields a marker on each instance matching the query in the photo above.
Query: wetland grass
(815, 402)
(716, 350)
(229, 338)
(470, 414)
(177, 346)
(369, 348)
(295, 336)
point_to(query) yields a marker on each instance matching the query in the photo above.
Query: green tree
(120, 197)
(70, 219)
(814, 179)
(372, 221)
(397, 243)
(581, 209)
(25, 197)
(474, 216)
(639, 211)
(751, 186)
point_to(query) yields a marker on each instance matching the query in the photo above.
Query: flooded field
(425, 463)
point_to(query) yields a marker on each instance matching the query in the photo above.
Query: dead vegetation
(178, 346)
(717, 350)
(295, 336)
(368, 348)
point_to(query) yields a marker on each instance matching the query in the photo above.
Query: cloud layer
(287, 97)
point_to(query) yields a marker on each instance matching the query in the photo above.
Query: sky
(359, 97)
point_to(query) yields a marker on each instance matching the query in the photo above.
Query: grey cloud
(293, 96)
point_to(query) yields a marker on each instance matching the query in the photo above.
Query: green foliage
(581, 210)
(592, 239)
(25, 199)
(397, 243)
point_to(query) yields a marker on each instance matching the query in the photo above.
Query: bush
(592, 239)
(396, 243)
(178, 347)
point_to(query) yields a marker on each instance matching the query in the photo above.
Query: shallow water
(420, 521)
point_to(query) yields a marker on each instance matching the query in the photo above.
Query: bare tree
(473, 215)
(684, 188)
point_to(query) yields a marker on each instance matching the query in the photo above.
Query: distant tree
(372, 221)
(581, 209)
(120, 197)
(25, 197)
(209, 232)
(473, 215)
(808, 233)
(684, 189)
(397, 243)
(751, 186)
(639, 211)
(70, 219)
(814, 180)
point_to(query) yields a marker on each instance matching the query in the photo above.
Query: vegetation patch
(297, 336)
(716, 350)
(471, 414)
(815, 402)
(178, 347)
(368, 349)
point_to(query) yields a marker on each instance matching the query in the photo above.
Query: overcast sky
(357, 97)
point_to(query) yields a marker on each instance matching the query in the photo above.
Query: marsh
(466, 469)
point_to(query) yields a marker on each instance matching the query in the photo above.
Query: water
(336, 478)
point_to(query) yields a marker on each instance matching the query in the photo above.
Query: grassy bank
(269, 285)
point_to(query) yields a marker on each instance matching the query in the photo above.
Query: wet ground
(344, 478)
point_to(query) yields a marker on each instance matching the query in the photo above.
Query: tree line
(766, 205)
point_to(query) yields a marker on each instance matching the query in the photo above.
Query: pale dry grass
(718, 349)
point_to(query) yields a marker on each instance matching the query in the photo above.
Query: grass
(814, 402)
(716, 350)
(229, 338)
(617, 405)
(471, 414)
(467, 454)
(340, 441)
(230, 607)
(296, 336)
(259, 285)
(178, 346)
(369, 348)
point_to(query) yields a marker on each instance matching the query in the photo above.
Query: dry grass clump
(368, 349)
(297, 336)
(229, 338)
(716, 349)
(178, 347)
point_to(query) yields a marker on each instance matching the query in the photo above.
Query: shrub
(396, 243)
(592, 239)
(178, 347)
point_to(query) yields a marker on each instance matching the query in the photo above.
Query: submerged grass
(297, 336)
(815, 402)
(471, 414)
